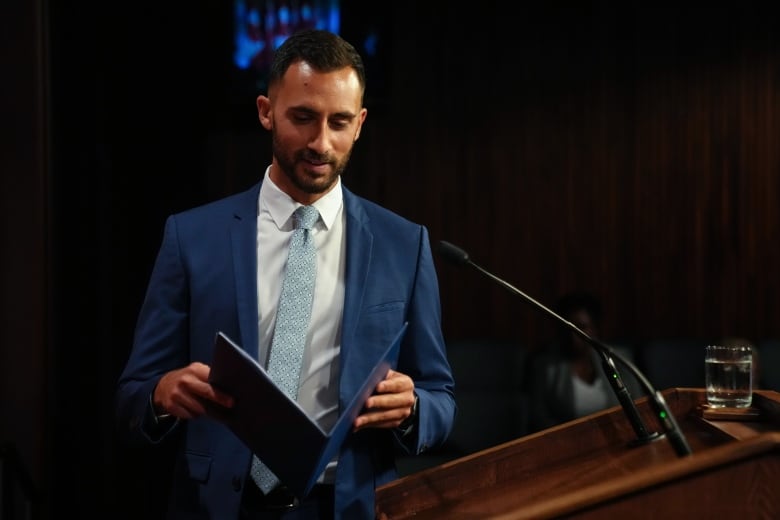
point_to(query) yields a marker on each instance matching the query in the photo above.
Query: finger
(401, 400)
(383, 402)
(395, 382)
(185, 393)
(384, 419)
(218, 396)
(180, 401)
(199, 386)
(380, 424)
(185, 407)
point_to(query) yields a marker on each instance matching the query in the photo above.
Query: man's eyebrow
(345, 115)
(310, 111)
(302, 108)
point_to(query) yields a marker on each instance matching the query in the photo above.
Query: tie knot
(305, 217)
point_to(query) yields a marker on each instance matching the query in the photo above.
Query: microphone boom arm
(657, 400)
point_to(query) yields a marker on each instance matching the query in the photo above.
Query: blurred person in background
(565, 378)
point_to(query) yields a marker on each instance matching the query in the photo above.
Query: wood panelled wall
(631, 151)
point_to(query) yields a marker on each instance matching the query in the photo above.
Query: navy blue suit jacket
(205, 280)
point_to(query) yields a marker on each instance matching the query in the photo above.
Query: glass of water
(728, 376)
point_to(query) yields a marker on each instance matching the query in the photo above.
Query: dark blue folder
(274, 426)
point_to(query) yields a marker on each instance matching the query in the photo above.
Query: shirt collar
(281, 206)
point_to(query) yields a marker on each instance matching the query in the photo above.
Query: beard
(293, 166)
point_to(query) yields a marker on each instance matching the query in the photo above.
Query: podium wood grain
(590, 468)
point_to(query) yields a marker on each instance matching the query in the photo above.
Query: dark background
(627, 148)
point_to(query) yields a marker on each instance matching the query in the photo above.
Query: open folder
(274, 426)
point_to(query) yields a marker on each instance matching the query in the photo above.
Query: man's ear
(361, 119)
(264, 112)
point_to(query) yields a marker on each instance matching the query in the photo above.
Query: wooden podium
(590, 468)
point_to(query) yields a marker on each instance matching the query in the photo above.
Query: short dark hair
(323, 50)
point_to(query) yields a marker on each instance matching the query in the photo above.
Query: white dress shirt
(318, 384)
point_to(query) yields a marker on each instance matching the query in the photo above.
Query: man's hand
(390, 405)
(186, 393)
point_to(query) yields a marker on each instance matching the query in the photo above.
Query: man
(220, 268)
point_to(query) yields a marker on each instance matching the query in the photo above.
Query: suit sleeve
(159, 344)
(424, 357)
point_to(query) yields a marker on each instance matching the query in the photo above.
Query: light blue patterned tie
(292, 321)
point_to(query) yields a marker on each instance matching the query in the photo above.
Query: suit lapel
(243, 233)
(359, 250)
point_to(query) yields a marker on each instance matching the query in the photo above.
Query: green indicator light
(663, 415)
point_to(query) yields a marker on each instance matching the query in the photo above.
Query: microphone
(458, 256)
